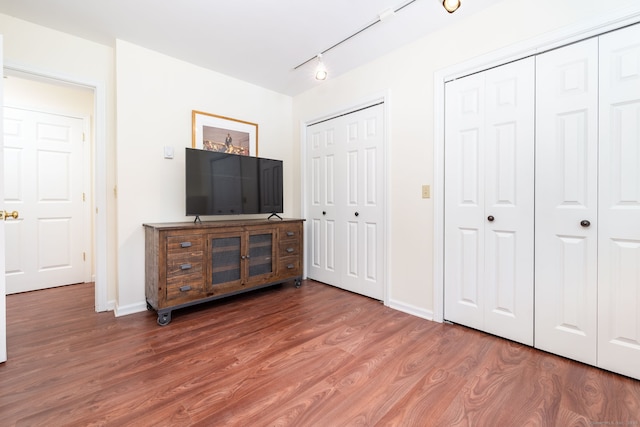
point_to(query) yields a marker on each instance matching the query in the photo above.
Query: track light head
(451, 5)
(321, 70)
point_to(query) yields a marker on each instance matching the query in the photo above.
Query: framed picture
(218, 133)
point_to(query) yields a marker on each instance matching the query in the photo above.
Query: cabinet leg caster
(298, 283)
(164, 318)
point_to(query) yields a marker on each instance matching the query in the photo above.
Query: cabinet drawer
(289, 267)
(290, 232)
(185, 287)
(289, 248)
(182, 266)
(184, 244)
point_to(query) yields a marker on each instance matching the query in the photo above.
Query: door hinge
(83, 137)
(84, 256)
(84, 199)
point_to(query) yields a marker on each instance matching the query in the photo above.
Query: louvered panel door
(489, 201)
(566, 201)
(619, 203)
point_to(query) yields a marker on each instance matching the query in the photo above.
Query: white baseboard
(130, 309)
(411, 309)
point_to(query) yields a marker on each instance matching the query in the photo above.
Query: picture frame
(224, 134)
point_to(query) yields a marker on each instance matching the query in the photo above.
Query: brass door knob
(4, 215)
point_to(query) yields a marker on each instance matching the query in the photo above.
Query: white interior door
(489, 153)
(346, 206)
(3, 298)
(619, 203)
(566, 201)
(44, 181)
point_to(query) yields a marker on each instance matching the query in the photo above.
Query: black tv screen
(231, 184)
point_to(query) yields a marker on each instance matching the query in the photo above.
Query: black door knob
(585, 223)
(490, 218)
(324, 212)
(356, 214)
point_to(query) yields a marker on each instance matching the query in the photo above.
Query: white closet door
(489, 173)
(619, 201)
(321, 203)
(509, 195)
(346, 206)
(362, 192)
(464, 254)
(566, 197)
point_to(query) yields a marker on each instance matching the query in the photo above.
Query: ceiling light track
(380, 19)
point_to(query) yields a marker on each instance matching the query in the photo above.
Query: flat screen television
(231, 184)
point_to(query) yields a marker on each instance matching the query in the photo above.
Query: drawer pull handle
(290, 233)
(185, 288)
(185, 244)
(289, 250)
(290, 266)
(185, 266)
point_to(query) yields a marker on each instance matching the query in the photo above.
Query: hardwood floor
(314, 356)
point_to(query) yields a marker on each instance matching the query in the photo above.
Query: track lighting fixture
(451, 5)
(321, 70)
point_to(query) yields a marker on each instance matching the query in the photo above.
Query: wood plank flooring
(314, 356)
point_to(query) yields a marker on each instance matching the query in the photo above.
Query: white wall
(408, 75)
(156, 95)
(21, 91)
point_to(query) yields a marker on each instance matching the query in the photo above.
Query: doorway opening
(35, 94)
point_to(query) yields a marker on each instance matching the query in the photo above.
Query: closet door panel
(323, 245)
(619, 201)
(489, 171)
(363, 220)
(566, 201)
(509, 195)
(464, 202)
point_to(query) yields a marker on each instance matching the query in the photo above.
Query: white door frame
(583, 30)
(365, 102)
(100, 172)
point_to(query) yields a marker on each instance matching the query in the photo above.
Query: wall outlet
(426, 191)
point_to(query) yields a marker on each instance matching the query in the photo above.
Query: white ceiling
(258, 41)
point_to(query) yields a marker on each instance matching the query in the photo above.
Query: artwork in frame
(218, 133)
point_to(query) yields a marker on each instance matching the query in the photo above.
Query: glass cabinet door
(261, 254)
(226, 258)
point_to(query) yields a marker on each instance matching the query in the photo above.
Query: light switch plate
(168, 152)
(426, 191)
